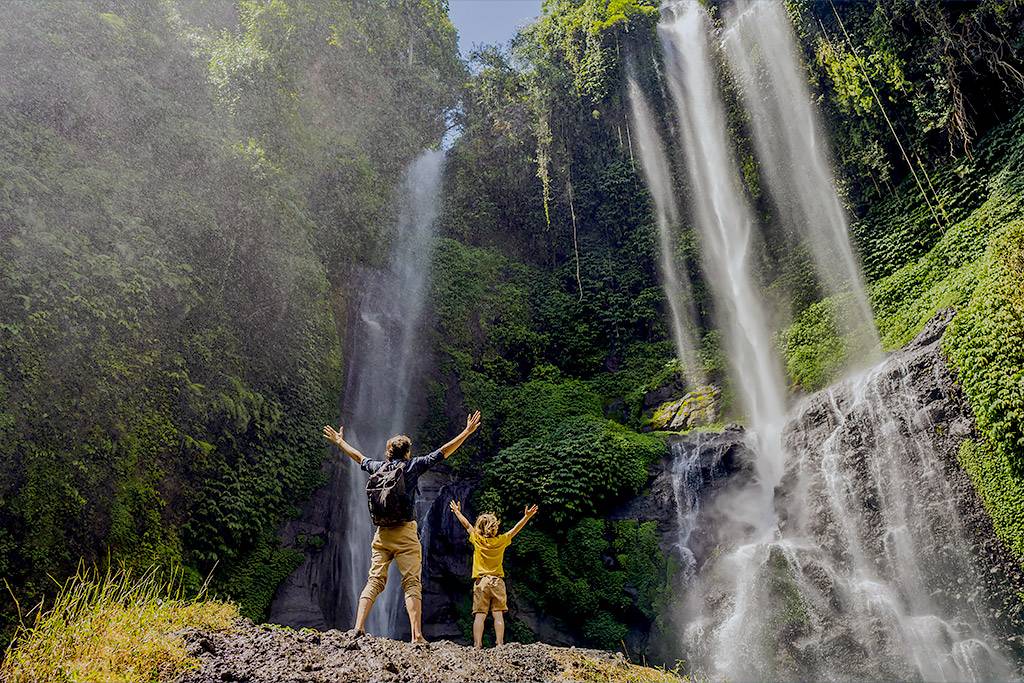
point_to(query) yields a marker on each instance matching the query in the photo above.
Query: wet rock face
(715, 459)
(447, 562)
(898, 574)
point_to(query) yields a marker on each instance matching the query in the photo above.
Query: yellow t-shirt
(488, 554)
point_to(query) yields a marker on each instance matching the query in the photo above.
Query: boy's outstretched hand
(528, 512)
(456, 508)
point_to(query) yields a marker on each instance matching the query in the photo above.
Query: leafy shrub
(985, 343)
(540, 405)
(575, 469)
(818, 346)
(644, 564)
(598, 577)
(1001, 489)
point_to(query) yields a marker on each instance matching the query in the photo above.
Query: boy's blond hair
(487, 525)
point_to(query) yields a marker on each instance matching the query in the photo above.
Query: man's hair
(398, 447)
(487, 525)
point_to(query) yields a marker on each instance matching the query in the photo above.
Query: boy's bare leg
(362, 612)
(478, 629)
(499, 627)
(414, 606)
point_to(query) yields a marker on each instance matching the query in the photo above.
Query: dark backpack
(386, 495)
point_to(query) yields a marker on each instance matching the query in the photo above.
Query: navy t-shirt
(413, 469)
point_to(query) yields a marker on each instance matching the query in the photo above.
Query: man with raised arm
(391, 491)
(488, 568)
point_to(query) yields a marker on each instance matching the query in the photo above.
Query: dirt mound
(272, 654)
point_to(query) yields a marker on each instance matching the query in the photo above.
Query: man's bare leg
(478, 629)
(414, 606)
(362, 612)
(499, 627)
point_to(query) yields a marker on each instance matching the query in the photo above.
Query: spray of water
(675, 280)
(761, 50)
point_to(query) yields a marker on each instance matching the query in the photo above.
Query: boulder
(697, 408)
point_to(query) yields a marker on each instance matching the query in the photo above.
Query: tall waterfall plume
(675, 280)
(727, 229)
(794, 155)
(383, 364)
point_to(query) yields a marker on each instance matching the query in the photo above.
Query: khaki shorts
(399, 543)
(489, 595)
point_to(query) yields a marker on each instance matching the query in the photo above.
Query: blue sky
(489, 21)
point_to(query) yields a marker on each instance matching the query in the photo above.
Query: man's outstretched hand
(454, 506)
(335, 437)
(529, 511)
(473, 422)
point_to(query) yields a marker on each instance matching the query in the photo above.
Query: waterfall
(726, 228)
(382, 366)
(879, 570)
(847, 556)
(761, 50)
(876, 546)
(675, 281)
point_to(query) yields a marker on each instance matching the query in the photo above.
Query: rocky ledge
(265, 653)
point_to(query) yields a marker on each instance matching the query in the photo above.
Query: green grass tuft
(119, 627)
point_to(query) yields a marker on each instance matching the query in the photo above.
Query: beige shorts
(489, 595)
(399, 543)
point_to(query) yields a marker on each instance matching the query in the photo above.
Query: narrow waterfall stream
(762, 54)
(675, 280)
(382, 366)
(727, 231)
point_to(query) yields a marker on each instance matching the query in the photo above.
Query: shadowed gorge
(737, 288)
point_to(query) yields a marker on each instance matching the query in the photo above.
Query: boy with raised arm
(488, 572)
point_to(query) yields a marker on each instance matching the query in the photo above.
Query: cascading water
(675, 280)
(845, 556)
(726, 228)
(383, 357)
(762, 53)
(878, 563)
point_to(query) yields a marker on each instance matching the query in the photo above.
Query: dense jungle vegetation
(189, 189)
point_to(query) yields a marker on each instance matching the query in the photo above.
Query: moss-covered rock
(698, 408)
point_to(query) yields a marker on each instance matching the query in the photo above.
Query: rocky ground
(272, 654)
